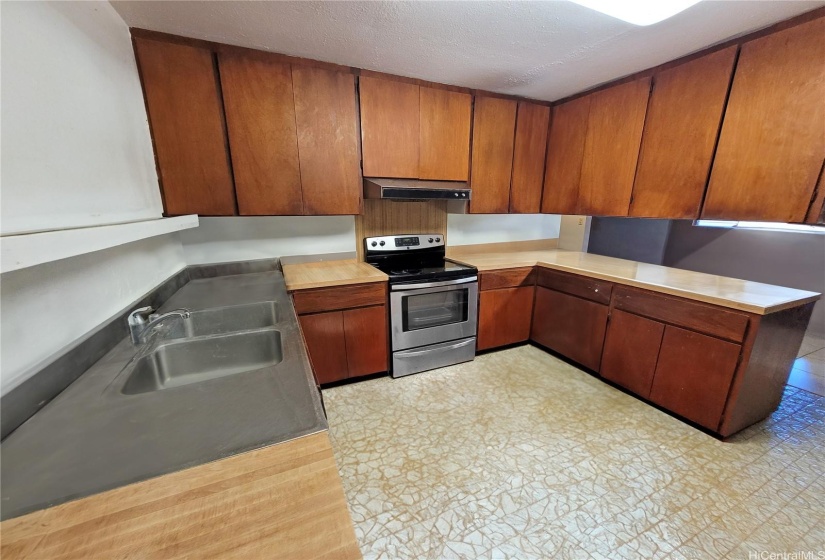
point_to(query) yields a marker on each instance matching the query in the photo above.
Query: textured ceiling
(543, 50)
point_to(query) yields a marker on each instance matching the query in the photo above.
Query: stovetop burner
(413, 258)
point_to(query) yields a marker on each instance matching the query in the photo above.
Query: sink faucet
(141, 319)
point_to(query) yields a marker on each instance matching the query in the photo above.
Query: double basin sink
(209, 344)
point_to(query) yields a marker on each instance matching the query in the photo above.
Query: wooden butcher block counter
(282, 501)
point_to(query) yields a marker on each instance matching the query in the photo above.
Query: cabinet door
(565, 151)
(630, 351)
(693, 375)
(494, 123)
(611, 148)
(324, 336)
(389, 127)
(444, 134)
(571, 326)
(504, 316)
(183, 102)
(532, 124)
(773, 138)
(816, 211)
(260, 120)
(327, 122)
(365, 330)
(681, 128)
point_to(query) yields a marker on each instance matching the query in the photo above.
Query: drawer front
(700, 317)
(344, 297)
(510, 278)
(575, 285)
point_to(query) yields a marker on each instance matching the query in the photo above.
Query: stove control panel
(404, 242)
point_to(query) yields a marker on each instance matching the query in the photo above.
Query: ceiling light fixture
(638, 12)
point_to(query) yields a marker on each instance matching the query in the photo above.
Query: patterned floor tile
(520, 455)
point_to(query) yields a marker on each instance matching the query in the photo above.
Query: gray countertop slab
(93, 438)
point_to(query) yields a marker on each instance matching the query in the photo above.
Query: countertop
(753, 297)
(93, 438)
(307, 275)
(282, 501)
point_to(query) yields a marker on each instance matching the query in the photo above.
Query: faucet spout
(142, 319)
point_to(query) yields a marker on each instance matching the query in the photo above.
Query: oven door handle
(403, 287)
(459, 344)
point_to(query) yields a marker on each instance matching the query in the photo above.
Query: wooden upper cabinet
(611, 148)
(565, 151)
(389, 127)
(532, 124)
(185, 115)
(816, 211)
(680, 133)
(260, 119)
(326, 116)
(773, 136)
(494, 123)
(444, 134)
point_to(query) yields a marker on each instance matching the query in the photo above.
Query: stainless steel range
(433, 302)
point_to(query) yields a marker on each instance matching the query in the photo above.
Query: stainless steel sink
(232, 319)
(175, 363)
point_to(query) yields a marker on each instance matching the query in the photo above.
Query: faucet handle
(140, 315)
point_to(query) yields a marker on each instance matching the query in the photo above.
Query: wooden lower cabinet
(504, 316)
(347, 343)
(345, 330)
(365, 333)
(693, 375)
(631, 349)
(326, 345)
(572, 326)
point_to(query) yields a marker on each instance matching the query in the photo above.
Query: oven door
(428, 313)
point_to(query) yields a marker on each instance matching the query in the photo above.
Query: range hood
(413, 189)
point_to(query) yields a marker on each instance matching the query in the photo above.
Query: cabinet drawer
(510, 278)
(575, 285)
(344, 297)
(691, 315)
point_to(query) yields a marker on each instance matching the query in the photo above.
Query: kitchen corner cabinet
(345, 330)
(183, 103)
(680, 132)
(494, 124)
(592, 151)
(772, 144)
(529, 151)
(293, 135)
(570, 316)
(413, 131)
(505, 307)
